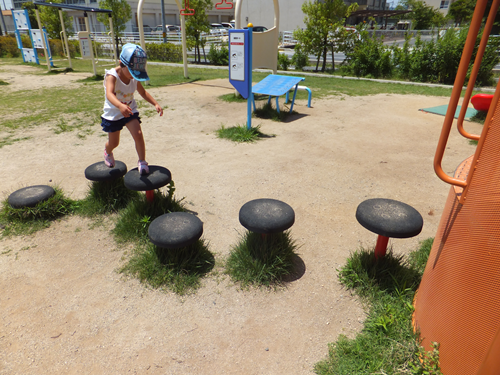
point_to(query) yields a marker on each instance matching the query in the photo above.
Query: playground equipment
(265, 44)
(157, 178)
(266, 216)
(458, 300)
(83, 36)
(175, 230)
(38, 37)
(481, 102)
(100, 172)
(276, 85)
(30, 196)
(389, 219)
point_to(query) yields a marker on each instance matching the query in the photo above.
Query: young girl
(120, 107)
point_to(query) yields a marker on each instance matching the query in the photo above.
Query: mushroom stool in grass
(175, 230)
(388, 218)
(30, 196)
(157, 178)
(266, 216)
(100, 172)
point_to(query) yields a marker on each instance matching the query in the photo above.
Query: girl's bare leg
(135, 129)
(113, 142)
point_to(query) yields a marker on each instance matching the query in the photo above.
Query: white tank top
(124, 93)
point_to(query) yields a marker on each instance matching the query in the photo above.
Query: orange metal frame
(187, 11)
(457, 90)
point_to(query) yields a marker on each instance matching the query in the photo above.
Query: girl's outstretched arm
(147, 96)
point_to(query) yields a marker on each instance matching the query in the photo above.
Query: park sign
(240, 60)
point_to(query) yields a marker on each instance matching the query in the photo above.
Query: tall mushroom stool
(388, 218)
(175, 230)
(30, 196)
(266, 216)
(157, 178)
(100, 172)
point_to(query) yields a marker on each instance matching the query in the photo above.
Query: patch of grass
(268, 112)
(479, 117)
(91, 79)
(9, 140)
(240, 133)
(387, 344)
(133, 222)
(232, 98)
(3, 83)
(262, 260)
(27, 220)
(179, 270)
(106, 197)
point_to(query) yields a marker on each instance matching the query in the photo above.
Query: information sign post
(240, 66)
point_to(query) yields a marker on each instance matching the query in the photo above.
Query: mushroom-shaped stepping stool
(156, 179)
(30, 196)
(266, 216)
(388, 218)
(175, 230)
(100, 172)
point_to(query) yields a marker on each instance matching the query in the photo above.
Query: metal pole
(113, 47)
(183, 38)
(163, 21)
(3, 21)
(87, 28)
(65, 37)
(46, 53)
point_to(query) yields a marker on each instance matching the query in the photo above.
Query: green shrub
(164, 52)
(283, 61)
(56, 48)
(218, 55)
(300, 59)
(368, 57)
(8, 47)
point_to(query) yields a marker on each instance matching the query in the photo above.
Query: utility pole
(4, 28)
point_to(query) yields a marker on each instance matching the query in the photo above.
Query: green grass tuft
(387, 344)
(3, 83)
(106, 197)
(232, 98)
(240, 133)
(27, 220)
(262, 259)
(179, 270)
(133, 222)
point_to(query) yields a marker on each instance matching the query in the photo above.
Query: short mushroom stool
(156, 179)
(175, 230)
(266, 216)
(30, 196)
(388, 218)
(100, 172)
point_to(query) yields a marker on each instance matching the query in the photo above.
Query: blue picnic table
(276, 85)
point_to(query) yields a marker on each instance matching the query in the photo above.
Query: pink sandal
(143, 167)
(109, 160)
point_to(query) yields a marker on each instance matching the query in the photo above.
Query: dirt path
(65, 310)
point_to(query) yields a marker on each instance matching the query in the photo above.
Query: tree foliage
(424, 16)
(49, 16)
(121, 14)
(324, 28)
(197, 25)
(461, 10)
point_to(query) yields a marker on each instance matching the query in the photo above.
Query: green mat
(441, 110)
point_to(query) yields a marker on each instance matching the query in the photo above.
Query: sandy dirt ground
(64, 308)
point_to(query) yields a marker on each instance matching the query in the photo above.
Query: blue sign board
(240, 60)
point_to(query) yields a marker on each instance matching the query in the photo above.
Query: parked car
(258, 29)
(227, 25)
(217, 29)
(147, 29)
(170, 29)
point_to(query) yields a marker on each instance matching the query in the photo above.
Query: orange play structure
(458, 301)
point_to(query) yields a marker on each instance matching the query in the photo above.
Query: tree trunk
(317, 60)
(323, 68)
(333, 61)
